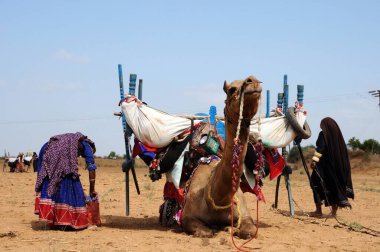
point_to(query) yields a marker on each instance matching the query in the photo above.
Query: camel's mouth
(255, 92)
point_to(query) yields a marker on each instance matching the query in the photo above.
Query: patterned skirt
(67, 207)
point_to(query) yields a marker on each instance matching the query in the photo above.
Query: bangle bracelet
(315, 159)
(317, 154)
(92, 180)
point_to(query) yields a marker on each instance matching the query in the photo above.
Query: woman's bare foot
(316, 214)
(334, 210)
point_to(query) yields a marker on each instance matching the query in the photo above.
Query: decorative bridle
(235, 162)
(242, 123)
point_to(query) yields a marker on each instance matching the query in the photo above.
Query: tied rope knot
(235, 162)
(238, 148)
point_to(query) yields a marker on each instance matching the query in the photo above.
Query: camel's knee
(204, 233)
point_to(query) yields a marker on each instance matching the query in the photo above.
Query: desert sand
(20, 229)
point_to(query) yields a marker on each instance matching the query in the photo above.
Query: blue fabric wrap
(88, 156)
(70, 189)
(70, 192)
(39, 163)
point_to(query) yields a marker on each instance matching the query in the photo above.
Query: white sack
(276, 131)
(152, 127)
(12, 160)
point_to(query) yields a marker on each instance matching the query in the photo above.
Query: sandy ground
(141, 231)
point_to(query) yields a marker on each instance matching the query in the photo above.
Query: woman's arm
(92, 177)
(91, 167)
(319, 150)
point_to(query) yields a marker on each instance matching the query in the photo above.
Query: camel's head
(251, 88)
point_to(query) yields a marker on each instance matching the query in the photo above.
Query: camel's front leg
(247, 228)
(196, 227)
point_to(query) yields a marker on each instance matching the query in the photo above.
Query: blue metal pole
(132, 91)
(126, 140)
(284, 152)
(122, 95)
(268, 104)
(286, 93)
(280, 100)
(212, 113)
(132, 84)
(300, 89)
(140, 89)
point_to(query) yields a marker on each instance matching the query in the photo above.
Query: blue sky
(58, 62)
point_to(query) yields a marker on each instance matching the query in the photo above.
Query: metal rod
(286, 97)
(284, 152)
(132, 91)
(135, 177)
(268, 104)
(127, 210)
(290, 196)
(300, 89)
(305, 165)
(132, 84)
(280, 100)
(140, 89)
(212, 115)
(127, 156)
(277, 188)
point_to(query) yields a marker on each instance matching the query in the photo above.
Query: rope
(374, 232)
(259, 120)
(215, 206)
(237, 149)
(239, 212)
(365, 230)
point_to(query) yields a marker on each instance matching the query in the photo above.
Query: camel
(208, 199)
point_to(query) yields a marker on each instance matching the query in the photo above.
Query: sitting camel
(208, 199)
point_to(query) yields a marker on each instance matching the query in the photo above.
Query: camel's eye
(231, 91)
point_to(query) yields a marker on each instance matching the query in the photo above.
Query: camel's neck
(221, 186)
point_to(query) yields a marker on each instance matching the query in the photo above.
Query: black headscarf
(338, 156)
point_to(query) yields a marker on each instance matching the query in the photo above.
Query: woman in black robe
(331, 177)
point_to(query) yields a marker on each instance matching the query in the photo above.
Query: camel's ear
(225, 86)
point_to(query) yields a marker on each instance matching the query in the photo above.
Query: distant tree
(112, 155)
(354, 143)
(294, 155)
(371, 145)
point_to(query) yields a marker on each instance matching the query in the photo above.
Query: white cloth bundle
(276, 132)
(157, 129)
(152, 127)
(12, 160)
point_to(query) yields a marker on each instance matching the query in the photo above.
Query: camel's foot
(247, 229)
(197, 228)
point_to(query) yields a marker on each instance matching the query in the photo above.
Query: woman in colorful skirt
(60, 198)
